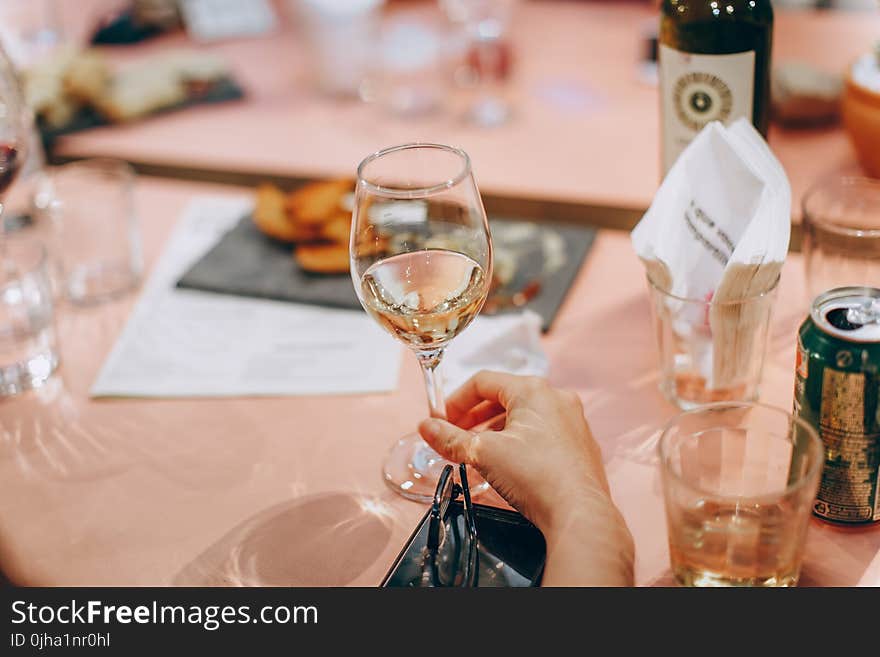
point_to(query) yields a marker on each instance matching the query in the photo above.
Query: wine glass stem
(429, 362)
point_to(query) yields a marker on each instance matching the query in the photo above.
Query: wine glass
(421, 262)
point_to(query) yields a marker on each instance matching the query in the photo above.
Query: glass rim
(731, 302)
(718, 406)
(414, 192)
(841, 182)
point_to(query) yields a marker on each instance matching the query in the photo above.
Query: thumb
(448, 440)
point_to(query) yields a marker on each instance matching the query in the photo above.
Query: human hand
(540, 456)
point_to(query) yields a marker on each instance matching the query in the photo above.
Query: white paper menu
(186, 343)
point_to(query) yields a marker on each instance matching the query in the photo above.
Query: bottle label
(698, 89)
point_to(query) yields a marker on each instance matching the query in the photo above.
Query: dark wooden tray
(247, 263)
(220, 91)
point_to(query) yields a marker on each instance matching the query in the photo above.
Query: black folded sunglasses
(451, 555)
(446, 551)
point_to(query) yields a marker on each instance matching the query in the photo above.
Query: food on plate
(270, 215)
(803, 95)
(323, 258)
(315, 217)
(44, 89)
(317, 202)
(337, 228)
(70, 80)
(139, 93)
(86, 76)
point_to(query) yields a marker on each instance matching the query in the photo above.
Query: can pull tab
(867, 313)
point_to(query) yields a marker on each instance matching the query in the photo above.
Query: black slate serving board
(220, 91)
(247, 263)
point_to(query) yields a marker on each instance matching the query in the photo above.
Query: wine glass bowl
(421, 263)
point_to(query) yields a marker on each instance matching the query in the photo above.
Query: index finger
(483, 386)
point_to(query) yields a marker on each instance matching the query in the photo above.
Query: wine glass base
(412, 468)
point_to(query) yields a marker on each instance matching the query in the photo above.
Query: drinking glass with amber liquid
(714, 65)
(739, 482)
(421, 262)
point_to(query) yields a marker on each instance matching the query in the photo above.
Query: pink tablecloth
(287, 491)
(585, 126)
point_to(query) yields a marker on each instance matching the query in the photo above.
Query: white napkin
(506, 343)
(726, 202)
(719, 229)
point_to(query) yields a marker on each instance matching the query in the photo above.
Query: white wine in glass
(424, 298)
(421, 262)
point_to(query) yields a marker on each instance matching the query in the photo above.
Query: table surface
(586, 128)
(287, 491)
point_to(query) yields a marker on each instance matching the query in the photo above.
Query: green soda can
(837, 390)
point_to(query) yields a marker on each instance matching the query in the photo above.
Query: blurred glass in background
(410, 75)
(28, 349)
(841, 224)
(93, 229)
(449, 55)
(341, 38)
(481, 28)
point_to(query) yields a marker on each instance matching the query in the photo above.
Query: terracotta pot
(861, 117)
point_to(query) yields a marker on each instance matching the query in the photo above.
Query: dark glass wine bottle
(714, 58)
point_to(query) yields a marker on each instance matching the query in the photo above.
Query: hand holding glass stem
(539, 454)
(421, 263)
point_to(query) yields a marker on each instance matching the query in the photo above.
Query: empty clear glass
(28, 352)
(95, 235)
(739, 481)
(409, 76)
(341, 38)
(841, 223)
